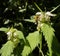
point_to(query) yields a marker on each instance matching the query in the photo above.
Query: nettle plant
(18, 45)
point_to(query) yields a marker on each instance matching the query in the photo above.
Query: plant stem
(40, 48)
(55, 8)
(40, 40)
(38, 7)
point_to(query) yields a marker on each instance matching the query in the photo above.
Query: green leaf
(26, 51)
(19, 34)
(48, 32)
(33, 39)
(7, 49)
(4, 29)
(52, 42)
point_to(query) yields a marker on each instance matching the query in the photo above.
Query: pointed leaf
(33, 39)
(52, 42)
(7, 49)
(4, 29)
(26, 51)
(19, 34)
(48, 32)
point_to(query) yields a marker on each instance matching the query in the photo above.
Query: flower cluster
(43, 17)
(13, 36)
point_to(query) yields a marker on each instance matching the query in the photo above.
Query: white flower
(38, 13)
(50, 14)
(9, 33)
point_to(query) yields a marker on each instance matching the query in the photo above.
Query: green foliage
(14, 37)
(22, 36)
(33, 40)
(26, 51)
(33, 36)
(7, 49)
(48, 32)
(4, 29)
(19, 34)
